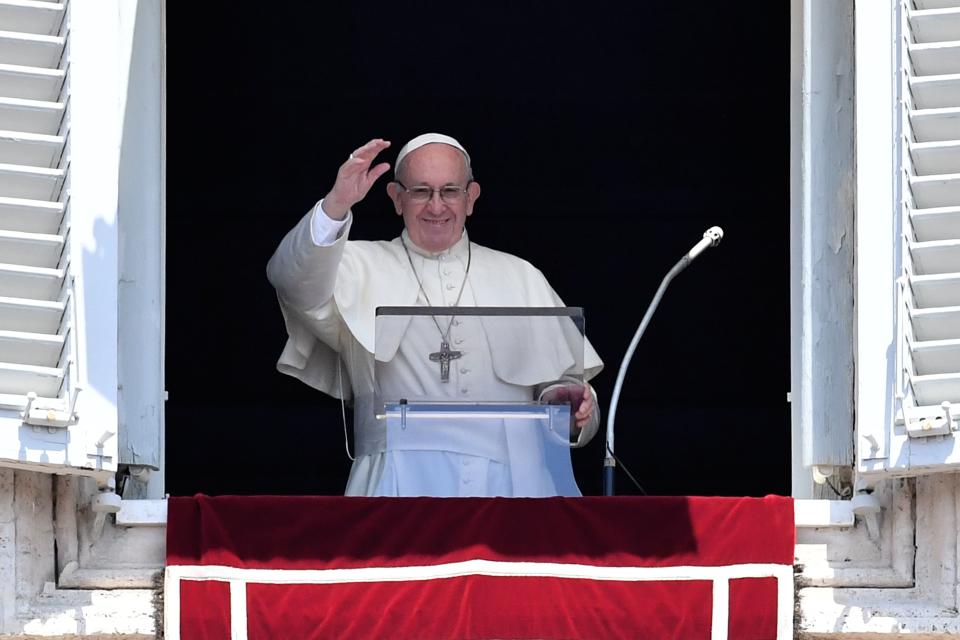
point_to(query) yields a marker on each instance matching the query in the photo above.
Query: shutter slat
(936, 356)
(935, 92)
(31, 16)
(936, 191)
(31, 83)
(30, 49)
(30, 249)
(939, 58)
(19, 314)
(933, 257)
(942, 323)
(933, 389)
(938, 223)
(39, 349)
(935, 124)
(30, 116)
(21, 379)
(31, 216)
(34, 216)
(940, 157)
(30, 149)
(35, 283)
(35, 183)
(935, 25)
(936, 4)
(936, 291)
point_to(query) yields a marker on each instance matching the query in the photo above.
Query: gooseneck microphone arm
(711, 238)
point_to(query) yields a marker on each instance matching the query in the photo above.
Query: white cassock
(329, 289)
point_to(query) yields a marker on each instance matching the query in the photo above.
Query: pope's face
(434, 224)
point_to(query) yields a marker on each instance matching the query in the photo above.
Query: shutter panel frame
(922, 397)
(58, 99)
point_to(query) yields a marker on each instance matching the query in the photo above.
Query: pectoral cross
(444, 356)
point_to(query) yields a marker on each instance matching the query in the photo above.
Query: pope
(329, 288)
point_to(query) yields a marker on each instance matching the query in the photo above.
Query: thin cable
(627, 471)
(839, 493)
(343, 410)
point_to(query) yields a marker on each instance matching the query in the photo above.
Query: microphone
(711, 238)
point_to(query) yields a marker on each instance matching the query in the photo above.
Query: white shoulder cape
(378, 274)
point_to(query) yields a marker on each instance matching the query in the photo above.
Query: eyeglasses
(450, 194)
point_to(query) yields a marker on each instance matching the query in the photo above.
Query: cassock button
(464, 391)
(458, 341)
(464, 370)
(451, 286)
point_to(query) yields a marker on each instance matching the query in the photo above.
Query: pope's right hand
(355, 178)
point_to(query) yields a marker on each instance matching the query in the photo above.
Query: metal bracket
(42, 414)
(98, 456)
(924, 422)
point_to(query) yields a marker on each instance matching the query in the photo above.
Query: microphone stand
(711, 238)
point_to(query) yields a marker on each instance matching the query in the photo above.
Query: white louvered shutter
(34, 292)
(39, 378)
(927, 388)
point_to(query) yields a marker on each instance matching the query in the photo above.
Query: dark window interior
(606, 138)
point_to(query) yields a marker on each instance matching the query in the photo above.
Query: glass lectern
(477, 401)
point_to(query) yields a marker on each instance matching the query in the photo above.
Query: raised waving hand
(354, 179)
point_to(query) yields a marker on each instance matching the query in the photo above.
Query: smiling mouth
(436, 222)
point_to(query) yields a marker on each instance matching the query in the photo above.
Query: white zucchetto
(425, 139)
